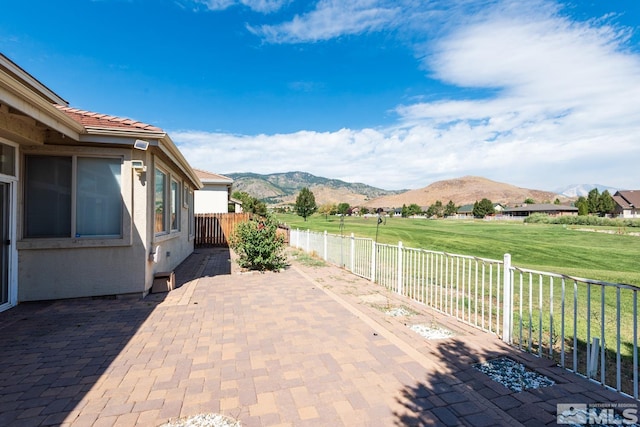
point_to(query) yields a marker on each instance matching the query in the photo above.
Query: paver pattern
(309, 346)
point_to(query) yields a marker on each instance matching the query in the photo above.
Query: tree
(593, 200)
(606, 205)
(582, 205)
(556, 201)
(483, 208)
(404, 212)
(450, 209)
(436, 209)
(250, 204)
(305, 203)
(529, 201)
(414, 209)
(327, 209)
(343, 208)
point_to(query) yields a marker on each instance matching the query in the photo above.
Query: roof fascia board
(28, 79)
(21, 98)
(92, 132)
(117, 139)
(214, 181)
(171, 150)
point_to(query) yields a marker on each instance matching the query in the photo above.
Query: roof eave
(132, 133)
(216, 181)
(24, 99)
(168, 147)
(28, 80)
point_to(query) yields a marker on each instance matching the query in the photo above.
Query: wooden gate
(215, 229)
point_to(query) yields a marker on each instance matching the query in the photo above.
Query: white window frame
(170, 203)
(12, 273)
(166, 175)
(175, 205)
(125, 238)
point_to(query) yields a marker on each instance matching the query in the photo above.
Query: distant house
(465, 211)
(215, 194)
(545, 208)
(627, 203)
(92, 204)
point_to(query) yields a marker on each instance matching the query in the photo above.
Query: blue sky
(396, 94)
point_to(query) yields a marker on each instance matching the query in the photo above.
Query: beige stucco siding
(212, 199)
(68, 273)
(68, 268)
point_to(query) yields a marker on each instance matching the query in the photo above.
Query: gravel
(203, 420)
(398, 312)
(513, 375)
(431, 333)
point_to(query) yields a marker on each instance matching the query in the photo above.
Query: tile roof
(628, 197)
(90, 119)
(542, 207)
(210, 176)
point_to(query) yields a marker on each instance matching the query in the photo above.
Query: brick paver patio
(310, 346)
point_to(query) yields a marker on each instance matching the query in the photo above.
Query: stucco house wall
(215, 194)
(627, 204)
(41, 132)
(212, 200)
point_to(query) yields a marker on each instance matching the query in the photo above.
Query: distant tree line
(597, 203)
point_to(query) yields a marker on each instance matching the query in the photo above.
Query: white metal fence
(588, 327)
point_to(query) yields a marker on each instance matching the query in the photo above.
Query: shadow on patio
(53, 353)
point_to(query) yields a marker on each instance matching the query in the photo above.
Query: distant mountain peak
(283, 188)
(462, 191)
(578, 190)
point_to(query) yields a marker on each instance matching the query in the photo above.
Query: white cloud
(263, 6)
(330, 19)
(560, 104)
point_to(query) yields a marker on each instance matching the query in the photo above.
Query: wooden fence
(215, 229)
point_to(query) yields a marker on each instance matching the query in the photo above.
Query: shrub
(258, 245)
(541, 218)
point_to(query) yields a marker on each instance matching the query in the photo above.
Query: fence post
(373, 260)
(353, 252)
(400, 279)
(324, 245)
(507, 301)
(308, 247)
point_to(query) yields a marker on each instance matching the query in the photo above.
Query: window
(192, 224)
(175, 206)
(48, 196)
(168, 202)
(69, 196)
(7, 160)
(160, 201)
(99, 200)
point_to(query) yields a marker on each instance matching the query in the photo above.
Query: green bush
(541, 218)
(258, 244)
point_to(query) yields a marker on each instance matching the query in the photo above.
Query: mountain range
(283, 188)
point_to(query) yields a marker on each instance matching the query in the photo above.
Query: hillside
(462, 191)
(283, 188)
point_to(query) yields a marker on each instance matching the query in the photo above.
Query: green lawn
(551, 248)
